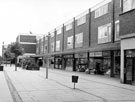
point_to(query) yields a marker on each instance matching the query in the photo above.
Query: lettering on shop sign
(81, 55)
(95, 54)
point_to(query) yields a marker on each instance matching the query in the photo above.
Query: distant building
(28, 43)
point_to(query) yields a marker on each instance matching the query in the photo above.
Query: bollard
(74, 80)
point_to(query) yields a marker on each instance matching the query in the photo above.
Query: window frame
(117, 31)
(128, 5)
(81, 20)
(69, 26)
(57, 45)
(70, 40)
(52, 46)
(101, 10)
(59, 31)
(104, 33)
(79, 40)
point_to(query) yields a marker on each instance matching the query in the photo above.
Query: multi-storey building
(127, 34)
(92, 41)
(28, 43)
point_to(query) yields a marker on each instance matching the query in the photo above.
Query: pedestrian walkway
(5, 95)
(32, 86)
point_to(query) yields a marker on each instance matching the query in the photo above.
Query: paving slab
(5, 95)
(32, 86)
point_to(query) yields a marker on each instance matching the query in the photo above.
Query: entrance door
(133, 70)
(128, 70)
(129, 67)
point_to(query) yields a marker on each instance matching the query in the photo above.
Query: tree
(7, 55)
(17, 50)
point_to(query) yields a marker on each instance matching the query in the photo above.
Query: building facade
(127, 34)
(28, 43)
(100, 40)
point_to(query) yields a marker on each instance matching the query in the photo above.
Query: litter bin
(1, 68)
(74, 79)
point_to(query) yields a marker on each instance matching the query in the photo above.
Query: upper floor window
(128, 5)
(52, 46)
(104, 33)
(101, 11)
(81, 20)
(117, 29)
(70, 42)
(45, 48)
(59, 31)
(68, 26)
(79, 40)
(52, 34)
(58, 45)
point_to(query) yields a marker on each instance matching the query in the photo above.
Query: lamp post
(48, 36)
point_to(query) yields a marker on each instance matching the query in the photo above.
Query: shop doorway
(129, 71)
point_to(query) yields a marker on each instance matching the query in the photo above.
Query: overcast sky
(37, 16)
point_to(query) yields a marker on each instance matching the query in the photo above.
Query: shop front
(81, 61)
(129, 66)
(68, 62)
(128, 60)
(100, 62)
(58, 62)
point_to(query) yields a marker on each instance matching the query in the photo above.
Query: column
(112, 64)
(122, 66)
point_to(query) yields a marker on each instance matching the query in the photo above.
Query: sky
(37, 16)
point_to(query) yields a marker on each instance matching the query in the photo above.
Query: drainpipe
(113, 38)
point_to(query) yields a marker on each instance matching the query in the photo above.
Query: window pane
(127, 5)
(117, 37)
(69, 26)
(70, 42)
(59, 31)
(79, 40)
(101, 11)
(104, 33)
(58, 45)
(133, 4)
(81, 20)
(52, 46)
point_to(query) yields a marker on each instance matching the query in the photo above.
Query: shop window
(101, 11)
(70, 42)
(117, 36)
(58, 45)
(81, 20)
(69, 26)
(128, 5)
(79, 40)
(104, 33)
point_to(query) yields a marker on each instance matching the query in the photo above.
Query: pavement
(4, 90)
(32, 86)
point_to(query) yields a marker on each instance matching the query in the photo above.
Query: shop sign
(68, 56)
(106, 53)
(95, 54)
(92, 54)
(98, 54)
(81, 55)
(130, 53)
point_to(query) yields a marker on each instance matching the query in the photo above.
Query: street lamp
(48, 36)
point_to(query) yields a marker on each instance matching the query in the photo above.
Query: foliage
(7, 54)
(16, 49)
